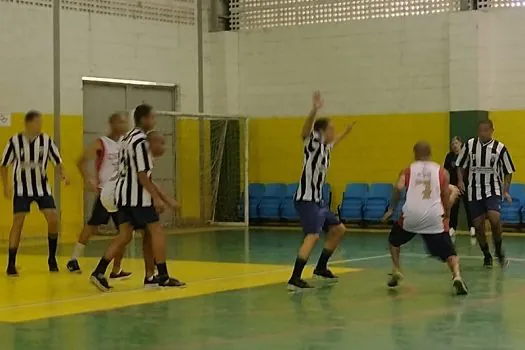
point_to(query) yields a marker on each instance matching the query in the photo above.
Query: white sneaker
(452, 232)
(472, 232)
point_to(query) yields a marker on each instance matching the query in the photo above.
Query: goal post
(205, 168)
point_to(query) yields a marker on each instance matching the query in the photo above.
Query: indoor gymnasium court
(239, 131)
(236, 299)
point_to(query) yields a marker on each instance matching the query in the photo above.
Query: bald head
(422, 150)
(156, 143)
(118, 124)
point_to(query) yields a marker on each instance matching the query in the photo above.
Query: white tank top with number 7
(423, 210)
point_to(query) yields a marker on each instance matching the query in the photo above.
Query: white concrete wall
(92, 45)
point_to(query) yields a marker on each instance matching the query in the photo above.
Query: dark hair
(142, 111)
(486, 122)
(321, 124)
(32, 115)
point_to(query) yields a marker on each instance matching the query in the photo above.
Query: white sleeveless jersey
(423, 210)
(107, 161)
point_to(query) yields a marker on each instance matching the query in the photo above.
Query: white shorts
(107, 196)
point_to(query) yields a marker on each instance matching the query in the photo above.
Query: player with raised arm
(318, 140)
(426, 212)
(104, 151)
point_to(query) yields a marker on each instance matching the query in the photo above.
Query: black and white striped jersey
(29, 158)
(316, 160)
(488, 163)
(134, 157)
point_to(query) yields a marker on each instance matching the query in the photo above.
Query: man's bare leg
(14, 242)
(495, 225)
(158, 240)
(481, 237)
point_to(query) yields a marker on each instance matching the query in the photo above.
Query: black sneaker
(395, 277)
(12, 271)
(460, 286)
(503, 261)
(487, 262)
(151, 282)
(100, 282)
(52, 263)
(170, 282)
(73, 266)
(295, 284)
(325, 274)
(121, 275)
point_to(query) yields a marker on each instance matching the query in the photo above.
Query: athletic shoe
(12, 271)
(121, 275)
(151, 282)
(472, 232)
(503, 261)
(487, 262)
(170, 282)
(295, 284)
(395, 277)
(460, 286)
(325, 274)
(100, 282)
(52, 263)
(73, 266)
(452, 232)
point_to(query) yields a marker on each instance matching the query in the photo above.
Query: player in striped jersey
(490, 174)
(138, 199)
(104, 150)
(318, 140)
(29, 153)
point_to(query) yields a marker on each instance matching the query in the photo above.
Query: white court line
(469, 257)
(141, 289)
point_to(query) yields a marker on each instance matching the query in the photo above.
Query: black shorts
(100, 216)
(22, 204)
(438, 245)
(138, 217)
(481, 207)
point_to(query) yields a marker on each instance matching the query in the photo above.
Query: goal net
(205, 168)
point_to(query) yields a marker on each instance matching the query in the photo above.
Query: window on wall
(251, 14)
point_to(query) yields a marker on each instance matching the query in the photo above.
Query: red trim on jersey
(100, 157)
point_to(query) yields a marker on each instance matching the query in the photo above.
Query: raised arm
(396, 194)
(8, 158)
(317, 103)
(341, 136)
(89, 154)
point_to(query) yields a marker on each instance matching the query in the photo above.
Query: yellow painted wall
(72, 196)
(376, 150)
(508, 128)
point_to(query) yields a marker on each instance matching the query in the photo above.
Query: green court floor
(258, 313)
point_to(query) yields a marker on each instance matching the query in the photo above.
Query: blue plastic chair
(255, 193)
(351, 208)
(288, 211)
(512, 213)
(377, 201)
(270, 204)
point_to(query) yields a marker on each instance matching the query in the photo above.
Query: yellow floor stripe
(37, 294)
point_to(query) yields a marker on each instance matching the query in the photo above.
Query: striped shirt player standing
(105, 152)
(489, 178)
(29, 153)
(318, 140)
(138, 200)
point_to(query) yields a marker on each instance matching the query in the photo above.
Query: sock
(78, 251)
(298, 267)
(162, 269)
(12, 256)
(497, 247)
(102, 266)
(485, 249)
(323, 259)
(52, 240)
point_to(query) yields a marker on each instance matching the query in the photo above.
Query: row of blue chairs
(360, 201)
(514, 213)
